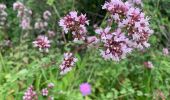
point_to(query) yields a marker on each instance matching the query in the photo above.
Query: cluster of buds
(45, 91)
(46, 15)
(115, 44)
(42, 24)
(24, 14)
(3, 14)
(68, 62)
(75, 24)
(148, 65)
(30, 94)
(42, 43)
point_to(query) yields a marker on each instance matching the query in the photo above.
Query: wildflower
(42, 43)
(117, 9)
(3, 14)
(50, 85)
(30, 94)
(46, 15)
(18, 6)
(92, 40)
(115, 44)
(137, 26)
(51, 33)
(75, 24)
(24, 14)
(40, 25)
(68, 62)
(45, 92)
(148, 64)
(25, 24)
(85, 89)
(137, 2)
(165, 51)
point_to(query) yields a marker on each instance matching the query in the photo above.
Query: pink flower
(42, 43)
(51, 33)
(50, 85)
(85, 89)
(68, 62)
(40, 25)
(46, 15)
(75, 24)
(148, 65)
(2, 7)
(45, 92)
(92, 39)
(25, 24)
(115, 44)
(30, 94)
(18, 6)
(117, 8)
(165, 51)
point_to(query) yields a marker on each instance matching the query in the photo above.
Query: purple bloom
(46, 15)
(42, 43)
(148, 65)
(68, 62)
(75, 24)
(115, 44)
(44, 92)
(165, 51)
(30, 94)
(50, 85)
(85, 89)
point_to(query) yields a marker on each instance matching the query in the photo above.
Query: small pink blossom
(75, 24)
(148, 65)
(165, 51)
(85, 89)
(42, 43)
(50, 85)
(51, 33)
(18, 6)
(68, 62)
(30, 94)
(92, 40)
(25, 24)
(46, 15)
(44, 92)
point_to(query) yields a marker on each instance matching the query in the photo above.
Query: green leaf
(50, 2)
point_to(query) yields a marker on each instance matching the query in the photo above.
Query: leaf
(50, 2)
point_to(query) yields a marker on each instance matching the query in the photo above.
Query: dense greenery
(21, 65)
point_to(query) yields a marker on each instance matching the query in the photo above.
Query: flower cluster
(115, 44)
(148, 65)
(24, 15)
(30, 94)
(68, 62)
(165, 51)
(137, 26)
(75, 24)
(42, 43)
(46, 15)
(45, 92)
(41, 25)
(117, 9)
(3, 14)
